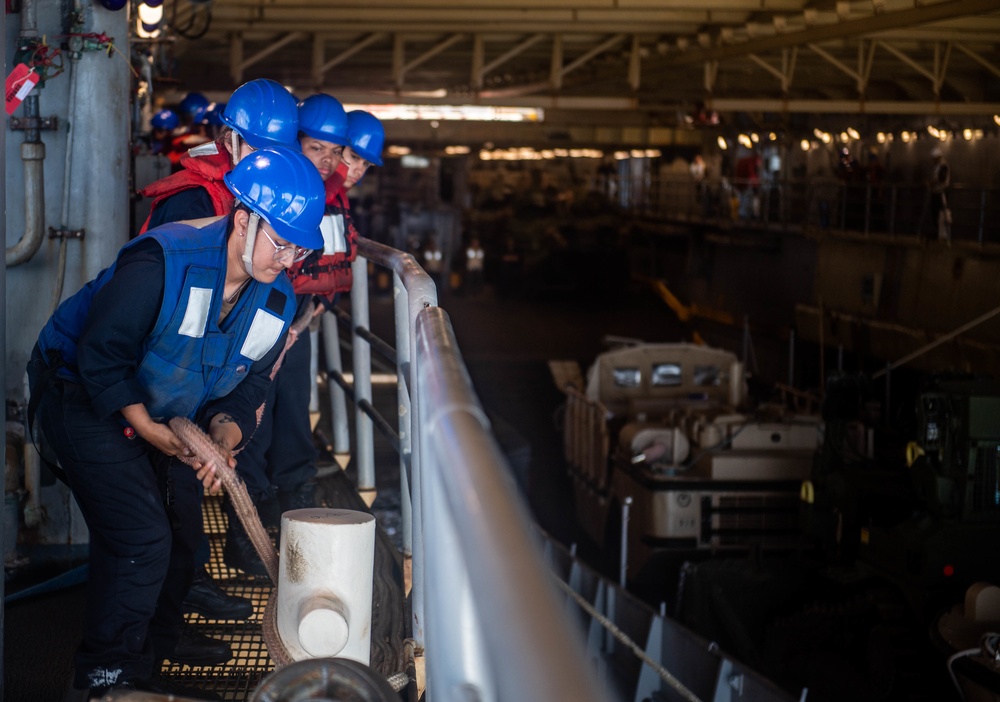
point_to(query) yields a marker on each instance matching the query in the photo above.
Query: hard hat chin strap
(249, 241)
(234, 140)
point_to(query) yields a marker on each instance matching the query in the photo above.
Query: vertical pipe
(422, 295)
(401, 308)
(33, 158)
(313, 372)
(338, 399)
(3, 356)
(360, 318)
(623, 541)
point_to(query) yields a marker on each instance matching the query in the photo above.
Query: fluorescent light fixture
(528, 153)
(411, 161)
(453, 113)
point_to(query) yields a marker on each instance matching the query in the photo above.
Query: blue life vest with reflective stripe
(188, 359)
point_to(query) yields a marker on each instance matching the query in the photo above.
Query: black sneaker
(197, 649)
(239, 552)
(159, 686)
(206, 598)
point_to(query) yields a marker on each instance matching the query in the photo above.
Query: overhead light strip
(456, 113)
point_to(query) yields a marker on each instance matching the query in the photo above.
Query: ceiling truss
(650, 56)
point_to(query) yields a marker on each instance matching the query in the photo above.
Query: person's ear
(241, 218)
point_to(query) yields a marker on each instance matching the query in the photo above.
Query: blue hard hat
(323, 117)
(365, 135)
(264, 114)
(284, 188)
(193, 104)
(165, 119)
(213, 114)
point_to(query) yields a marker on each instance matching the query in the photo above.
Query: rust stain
(296, 567)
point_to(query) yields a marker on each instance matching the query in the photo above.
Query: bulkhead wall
(97, 192)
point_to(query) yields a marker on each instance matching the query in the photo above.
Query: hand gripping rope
(210, 453)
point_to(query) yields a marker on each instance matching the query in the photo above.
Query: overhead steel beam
(991, 67)
(320, 67)
(596, 51)
(515, 51)
(844, 29)
(269, 49)
(433, 51)
(871, 107)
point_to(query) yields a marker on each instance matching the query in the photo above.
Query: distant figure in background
(474, 264)
(825, 191)
(938, 187)
(211, 121)
(192, 133)
(746, 181)
(162, 126)
(698, 170)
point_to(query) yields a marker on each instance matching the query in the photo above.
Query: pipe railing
(484, 608)
(821, 205)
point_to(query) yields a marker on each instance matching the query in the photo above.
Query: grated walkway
(238, 678)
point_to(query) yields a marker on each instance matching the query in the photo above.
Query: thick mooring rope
(209, 453)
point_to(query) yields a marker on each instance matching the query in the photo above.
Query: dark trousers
(143, 533)
(281, 452)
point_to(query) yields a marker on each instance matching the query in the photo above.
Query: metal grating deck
(238, 678)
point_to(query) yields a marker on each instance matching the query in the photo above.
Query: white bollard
(325, 583)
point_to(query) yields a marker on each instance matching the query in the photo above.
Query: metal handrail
(483, 605)
(820, 205)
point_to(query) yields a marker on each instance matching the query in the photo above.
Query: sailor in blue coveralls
(188, 321)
